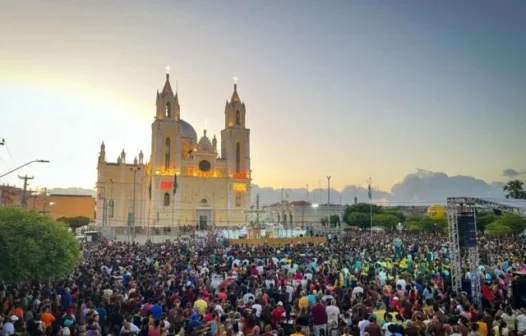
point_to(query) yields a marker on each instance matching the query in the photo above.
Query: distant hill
(72, 191)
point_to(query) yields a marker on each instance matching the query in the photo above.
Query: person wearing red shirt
(319, 317)
(276, 314)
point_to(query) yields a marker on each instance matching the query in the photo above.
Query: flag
(175, 184)
(370, 194)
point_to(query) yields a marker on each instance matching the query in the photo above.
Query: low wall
(278, 241)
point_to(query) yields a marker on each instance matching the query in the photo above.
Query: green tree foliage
(35, 247)
(363, 208)
(334, 220)
(359, 219)
(514, 189)
(424, 223)
(74, 222)
(507, 224)
(484, 219)
(396, 212)
(386, 220)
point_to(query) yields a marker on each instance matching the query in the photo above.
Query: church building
(187, 181)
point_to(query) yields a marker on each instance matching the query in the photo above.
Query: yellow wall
(63, 205)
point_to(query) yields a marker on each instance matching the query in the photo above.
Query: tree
(386, 220)
(334, 220)
(515, 189)
(358, 219)
(74, 222)
(35, 247)
(363, 207)
(396, 212)
(424, 223)
(484, 219)
(324, 221)
(507, 224)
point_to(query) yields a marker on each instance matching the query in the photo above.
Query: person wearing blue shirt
(156, 311)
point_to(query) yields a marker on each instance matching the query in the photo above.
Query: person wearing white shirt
(257, 307)
(362, 325)
(333, 318)
(9, 326)
(521, 321)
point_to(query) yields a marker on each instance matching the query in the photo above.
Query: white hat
(280, 303)
(14, 318)
(66, 332)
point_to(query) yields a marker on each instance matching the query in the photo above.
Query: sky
(350, 89)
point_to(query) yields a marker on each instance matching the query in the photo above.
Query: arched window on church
(168, 111)
(166, 199)
(238, 199)
(238, 157)
(167, 149)
(290, 219)
(238, 118)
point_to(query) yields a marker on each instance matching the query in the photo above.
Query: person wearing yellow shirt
(304, 301)
(201, 304)
(483, 327)
(380, 313)
(297, 331)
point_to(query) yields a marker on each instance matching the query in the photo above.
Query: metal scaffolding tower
(457, 206)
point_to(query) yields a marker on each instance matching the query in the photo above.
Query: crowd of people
(360, 284)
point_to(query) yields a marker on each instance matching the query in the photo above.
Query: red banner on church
(167, 185)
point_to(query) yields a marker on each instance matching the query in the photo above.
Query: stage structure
(461, 216)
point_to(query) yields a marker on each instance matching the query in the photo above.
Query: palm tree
(515, 190)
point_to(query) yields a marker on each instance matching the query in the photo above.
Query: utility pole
(45, 201)
(24, 193)
(370, 194)
(134, 170)
(329, 191)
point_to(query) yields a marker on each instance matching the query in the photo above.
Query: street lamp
(134, 170)
(22, 166)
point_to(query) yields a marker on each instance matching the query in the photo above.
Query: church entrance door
(204, 219)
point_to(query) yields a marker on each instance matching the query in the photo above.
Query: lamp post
(329, 200)
(315, 206)
(370, 202)
(22, 166)
(110, 214)
(134, 170)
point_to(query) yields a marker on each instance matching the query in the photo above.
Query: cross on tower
(235, 79)
(167, 68)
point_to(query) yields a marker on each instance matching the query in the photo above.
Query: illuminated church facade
(187, 180)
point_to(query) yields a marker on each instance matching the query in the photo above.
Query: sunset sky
(350, 89)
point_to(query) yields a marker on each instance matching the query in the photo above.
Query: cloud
(420, 187)
(511, 172)
(429, 187)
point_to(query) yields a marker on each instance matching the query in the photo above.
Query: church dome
(187, 130)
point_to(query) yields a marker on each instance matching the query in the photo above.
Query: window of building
(166, 199)
(238, 157)
(238, 118)
(290, 219)
(167, 149)
(168, 110)
(238, 199)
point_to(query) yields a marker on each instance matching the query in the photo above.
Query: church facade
(187, 180)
